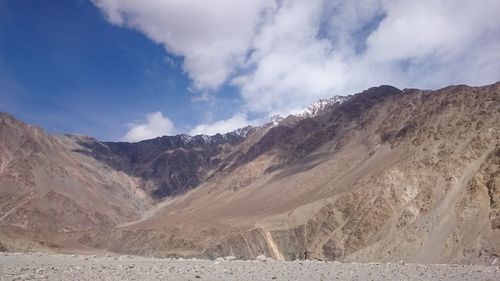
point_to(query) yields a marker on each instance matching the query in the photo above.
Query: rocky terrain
(60, 267)
(381, 176)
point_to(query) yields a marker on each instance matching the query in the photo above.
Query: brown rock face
(168, 165)
(386, 175)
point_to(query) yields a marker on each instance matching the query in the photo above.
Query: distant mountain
(383, 175)
(168, 165)
(321, 105)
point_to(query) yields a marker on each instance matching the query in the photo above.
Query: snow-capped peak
(319, 106)
(241, 132)
(186, 138)
(275, 119)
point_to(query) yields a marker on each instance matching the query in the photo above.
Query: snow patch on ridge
(276, 119)
(322, 104)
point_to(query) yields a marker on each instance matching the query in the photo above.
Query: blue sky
(131, 70)
(65, 68)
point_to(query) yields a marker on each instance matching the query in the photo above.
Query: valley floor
(34, 266)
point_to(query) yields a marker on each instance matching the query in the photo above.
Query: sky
(128, 70)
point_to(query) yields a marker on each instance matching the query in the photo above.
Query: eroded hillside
(385, 175)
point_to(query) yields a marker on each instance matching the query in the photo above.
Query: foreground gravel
(20, 266)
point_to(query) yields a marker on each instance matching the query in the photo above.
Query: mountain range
(382, 175)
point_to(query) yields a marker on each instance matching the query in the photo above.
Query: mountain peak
(276, 119)
(7, 116)
(320, 105)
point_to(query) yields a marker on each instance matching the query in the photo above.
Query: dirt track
(17, 266)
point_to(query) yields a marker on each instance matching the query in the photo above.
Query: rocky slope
(46, 188)
(168, 165)
(384, 175)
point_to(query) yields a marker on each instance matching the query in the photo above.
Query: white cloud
(239, 120)
(291, 66)
(212, 36)
(155, 125)
(425, 44)
(284, 54)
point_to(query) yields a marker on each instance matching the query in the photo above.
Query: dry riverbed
(34, 266)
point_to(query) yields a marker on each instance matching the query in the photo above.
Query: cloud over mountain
(284, 54)
(154, 125)
(239, 120)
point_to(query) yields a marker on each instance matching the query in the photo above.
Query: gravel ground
(20, 266)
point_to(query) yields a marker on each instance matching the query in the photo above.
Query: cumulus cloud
(314, 49)
(239, 120)
(212, 36)
(284, 54)
(155, 125)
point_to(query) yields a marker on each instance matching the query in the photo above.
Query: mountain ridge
(386, 175)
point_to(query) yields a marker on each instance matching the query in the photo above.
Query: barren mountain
(382, 175)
